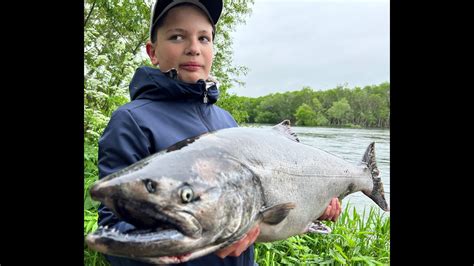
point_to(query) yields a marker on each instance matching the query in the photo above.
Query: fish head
(157, 202)
(178, 211)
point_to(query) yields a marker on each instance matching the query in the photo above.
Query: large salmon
(203, 194)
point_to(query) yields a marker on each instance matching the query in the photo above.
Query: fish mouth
(154, 232)
(157, 246)
(137, 242)
(135, 235)
(148, 217)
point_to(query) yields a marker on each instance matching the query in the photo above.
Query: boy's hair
(212, 8)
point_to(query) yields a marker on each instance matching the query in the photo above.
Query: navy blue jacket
(163, 111)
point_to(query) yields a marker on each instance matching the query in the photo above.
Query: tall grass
(90, 207)
(355, 240)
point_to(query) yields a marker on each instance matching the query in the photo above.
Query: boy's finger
(327, 214)
(228, 250)
(336, 203)
(254, 235)
(241, 247)
(338, 210)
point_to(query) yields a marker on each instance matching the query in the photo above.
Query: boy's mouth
(190, 66)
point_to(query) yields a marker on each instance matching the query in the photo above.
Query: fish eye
(150, 185)
(187, 194)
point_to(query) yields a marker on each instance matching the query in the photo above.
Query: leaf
(341, 252)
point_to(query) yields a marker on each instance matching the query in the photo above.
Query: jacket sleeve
(122, 144)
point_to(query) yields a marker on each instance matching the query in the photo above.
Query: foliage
(235, 107)
(340, 111)
(114, 32)
(305, 115)
(366, 107)
(233, 13)
(355, 240)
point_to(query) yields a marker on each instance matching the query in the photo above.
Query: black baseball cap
(212, 8)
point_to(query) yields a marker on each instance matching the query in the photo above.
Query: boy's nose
(192, 49)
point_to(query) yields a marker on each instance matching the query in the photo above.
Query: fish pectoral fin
(318, 227)
(276, 213)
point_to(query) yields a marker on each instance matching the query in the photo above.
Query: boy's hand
(332, 211)
(331, 214)
(238, 247)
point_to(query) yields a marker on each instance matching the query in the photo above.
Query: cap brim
(212, 8)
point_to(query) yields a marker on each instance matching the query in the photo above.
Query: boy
(170, 104)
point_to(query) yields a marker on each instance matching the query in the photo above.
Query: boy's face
(184, 42)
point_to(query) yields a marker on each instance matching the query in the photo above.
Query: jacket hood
(151, 83)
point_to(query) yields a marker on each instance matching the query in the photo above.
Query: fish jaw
(183, 258)
(152, 217)
(155, 246)
(141, 243)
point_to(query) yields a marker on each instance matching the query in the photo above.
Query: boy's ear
(150, 50)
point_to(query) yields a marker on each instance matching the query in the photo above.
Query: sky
(289, 44)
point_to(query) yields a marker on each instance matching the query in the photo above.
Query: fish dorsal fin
(285, 129)
(276, 213)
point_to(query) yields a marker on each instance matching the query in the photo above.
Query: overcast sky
(288, 44)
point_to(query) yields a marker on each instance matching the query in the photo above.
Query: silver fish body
(204, 194)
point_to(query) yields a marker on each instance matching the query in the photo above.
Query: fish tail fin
(377, 193)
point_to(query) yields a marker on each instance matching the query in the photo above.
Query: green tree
(114, 32)
(236, 106)
(250, 106)
(305, 116)
(272, 109)
(266, 117)
(340, 111)
(228, 75)
(320, 119)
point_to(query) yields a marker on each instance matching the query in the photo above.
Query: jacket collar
(151, 83)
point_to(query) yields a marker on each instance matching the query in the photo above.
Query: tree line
(367, 107)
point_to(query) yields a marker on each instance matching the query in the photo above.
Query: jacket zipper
(205, 100)
(201, 116)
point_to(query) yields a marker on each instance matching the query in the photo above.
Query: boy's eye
(176, 37)
(204, 39)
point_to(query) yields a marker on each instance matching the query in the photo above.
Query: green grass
(90, 207)
(355, 240)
